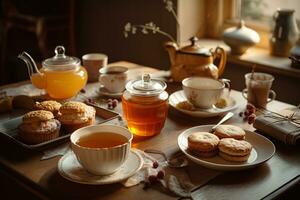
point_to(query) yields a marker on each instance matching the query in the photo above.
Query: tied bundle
(281, 127)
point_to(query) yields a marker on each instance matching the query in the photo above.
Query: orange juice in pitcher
(61, 76)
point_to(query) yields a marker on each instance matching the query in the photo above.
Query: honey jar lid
(61, 61)
(146, 86)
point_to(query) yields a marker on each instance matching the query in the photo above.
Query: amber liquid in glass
(145, 116)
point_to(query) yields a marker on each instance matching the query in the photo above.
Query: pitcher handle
(220, 51)
(273, 95)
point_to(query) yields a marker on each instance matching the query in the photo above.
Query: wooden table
(41, 178)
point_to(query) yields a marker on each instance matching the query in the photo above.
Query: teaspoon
(225, 118)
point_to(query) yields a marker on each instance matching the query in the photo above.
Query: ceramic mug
(203, 92)
(113, 78)
(258, 91)
(93, 62)
(101, 161)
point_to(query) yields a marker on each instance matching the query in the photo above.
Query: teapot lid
(146, 86)
(194, 48)
(60, 61)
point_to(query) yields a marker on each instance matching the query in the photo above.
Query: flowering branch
(132, 28)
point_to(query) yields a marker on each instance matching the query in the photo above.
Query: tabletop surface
(264, 181)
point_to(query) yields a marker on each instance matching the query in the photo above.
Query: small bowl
(202, 92)
(101, 161)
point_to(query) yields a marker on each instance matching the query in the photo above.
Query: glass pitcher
(61, 76)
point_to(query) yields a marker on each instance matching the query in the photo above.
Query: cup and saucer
(71, 169)
(203, 97)
(105, 92)
(113, 80)
(100, 157)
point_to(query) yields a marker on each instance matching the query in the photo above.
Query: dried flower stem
(157, 30)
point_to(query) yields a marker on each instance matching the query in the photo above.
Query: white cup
(92, 63)
(113, 78)
(203, 92)
(101, 161)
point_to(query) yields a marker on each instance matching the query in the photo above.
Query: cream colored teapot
(194, 60)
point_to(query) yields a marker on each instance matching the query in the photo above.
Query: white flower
(169, 5)
(127, 27)
(144, 30)
(133, 30)
(125, 34)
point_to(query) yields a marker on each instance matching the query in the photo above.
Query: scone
(230, 131)
(38, 126)
(203, 144)
(234, 150)
(52, 106)
(74, 115)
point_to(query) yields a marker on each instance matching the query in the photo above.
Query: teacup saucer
(70, 168)
(105, 92)
(179, 96)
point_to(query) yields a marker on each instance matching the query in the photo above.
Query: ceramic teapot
(61, 76)
(194, 60)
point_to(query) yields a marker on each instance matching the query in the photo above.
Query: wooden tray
(9, 129)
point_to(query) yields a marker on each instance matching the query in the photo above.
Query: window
(260, 12)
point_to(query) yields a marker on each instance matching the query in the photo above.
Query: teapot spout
(172, 47)
(30, 64)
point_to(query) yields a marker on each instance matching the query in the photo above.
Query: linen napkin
(283, 126)
(171, 183)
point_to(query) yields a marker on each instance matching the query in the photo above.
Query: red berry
(160, 174)
(250, 106)
(114, 103)
(155, 164)
(241, 114)
(152, 179)
(251, 118)
(246, 113)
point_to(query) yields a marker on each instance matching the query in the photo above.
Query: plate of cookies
(50, 122)
(228, 148)
(179, 101)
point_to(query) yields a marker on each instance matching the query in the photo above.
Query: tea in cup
(113, 78)
(258, 89)
(101, 149)
(93, 62)
(203, 92)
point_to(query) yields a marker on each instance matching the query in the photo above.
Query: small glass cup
(258, 91)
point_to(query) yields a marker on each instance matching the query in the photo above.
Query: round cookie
(203, 144)
(230, 131)
(234, 150)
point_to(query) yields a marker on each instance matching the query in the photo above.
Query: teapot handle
(220, 51)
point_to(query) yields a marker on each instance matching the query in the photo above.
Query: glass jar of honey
(145, 105)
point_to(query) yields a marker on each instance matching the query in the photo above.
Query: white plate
(263, 149)
(105, 92)
(69, 168)
(179, 96)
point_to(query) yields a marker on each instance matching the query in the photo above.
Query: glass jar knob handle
(60, 51)
(146, 80)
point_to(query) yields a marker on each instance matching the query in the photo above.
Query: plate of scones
(49, 122)
(227, 148)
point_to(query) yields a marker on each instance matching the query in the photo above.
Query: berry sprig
(249, 114)
(112, 103)
(154, 179)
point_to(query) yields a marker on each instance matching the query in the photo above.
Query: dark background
(88, 26)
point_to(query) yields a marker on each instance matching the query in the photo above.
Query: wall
(100, 25)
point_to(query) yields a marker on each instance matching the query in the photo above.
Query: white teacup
(203, 92)
(113, 78)
(104, 160)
